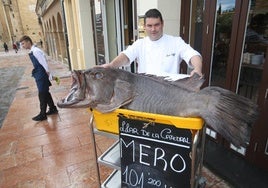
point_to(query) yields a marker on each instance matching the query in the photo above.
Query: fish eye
(98, 75)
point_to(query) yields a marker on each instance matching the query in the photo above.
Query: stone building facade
(18, 18)
(51, 20)
(77, 48)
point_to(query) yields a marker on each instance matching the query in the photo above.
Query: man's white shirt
(162, 57)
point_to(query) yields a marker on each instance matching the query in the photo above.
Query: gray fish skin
(108, 89)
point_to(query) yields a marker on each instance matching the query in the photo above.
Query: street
(57, 152)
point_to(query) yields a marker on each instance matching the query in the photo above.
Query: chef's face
(154, 28)
(26, 44)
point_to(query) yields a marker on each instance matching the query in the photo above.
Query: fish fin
(122, 96)
(230, 115)
(192, 83)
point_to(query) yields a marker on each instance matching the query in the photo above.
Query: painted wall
(80, 34)
(87, 42)
(111, 29)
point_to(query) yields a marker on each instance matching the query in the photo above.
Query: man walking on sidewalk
(41, 75)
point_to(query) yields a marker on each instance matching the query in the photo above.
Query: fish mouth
(73, 101)
(67, 104)
(78, 96)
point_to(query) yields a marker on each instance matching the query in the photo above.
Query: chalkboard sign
(154, 155)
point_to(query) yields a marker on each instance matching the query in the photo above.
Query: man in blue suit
(42, 77)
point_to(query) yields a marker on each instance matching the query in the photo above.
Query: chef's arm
(117, 62)
(196, 62)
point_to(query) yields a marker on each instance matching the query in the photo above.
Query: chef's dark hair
(153, 13)
(26, 38)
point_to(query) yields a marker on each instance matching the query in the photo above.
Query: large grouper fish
(106, 89)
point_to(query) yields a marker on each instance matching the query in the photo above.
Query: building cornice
(42, 6)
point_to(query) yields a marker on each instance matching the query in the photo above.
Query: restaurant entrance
(233, 39)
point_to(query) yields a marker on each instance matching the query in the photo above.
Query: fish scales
(107, 89)
(157, 97)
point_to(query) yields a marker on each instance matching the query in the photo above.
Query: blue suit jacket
(40, 75)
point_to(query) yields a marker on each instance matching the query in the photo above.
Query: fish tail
(230, 115)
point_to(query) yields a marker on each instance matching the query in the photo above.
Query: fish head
(99, 88)
(77, 95)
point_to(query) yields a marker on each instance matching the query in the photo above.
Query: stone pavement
(57, 152)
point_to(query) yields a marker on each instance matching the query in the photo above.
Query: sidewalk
(53, 153)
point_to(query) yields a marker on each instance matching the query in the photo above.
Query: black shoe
(39, 117)
(52, 111)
